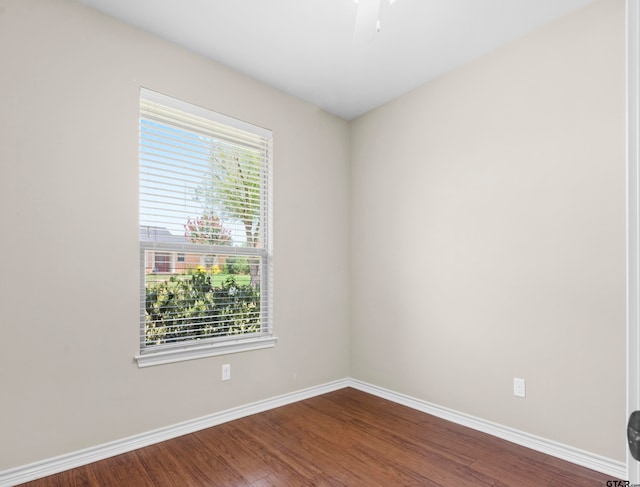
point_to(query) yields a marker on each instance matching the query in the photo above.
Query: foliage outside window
(205, 218)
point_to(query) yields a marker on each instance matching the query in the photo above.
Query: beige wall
(488, 236)
(69, 85)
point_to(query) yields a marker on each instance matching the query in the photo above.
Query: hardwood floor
(344, 438)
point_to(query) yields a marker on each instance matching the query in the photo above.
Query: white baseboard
(574, 455)
(44, 468)
(26, 473)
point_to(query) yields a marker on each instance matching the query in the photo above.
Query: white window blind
(205, 232)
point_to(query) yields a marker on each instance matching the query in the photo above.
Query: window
(205, 233)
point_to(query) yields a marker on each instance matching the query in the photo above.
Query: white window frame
(194, 349)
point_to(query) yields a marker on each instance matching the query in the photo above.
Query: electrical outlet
(226, 372)
(518, 387)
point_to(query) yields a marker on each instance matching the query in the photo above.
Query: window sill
(202, 351)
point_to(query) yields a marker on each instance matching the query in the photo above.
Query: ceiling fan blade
(366, 21)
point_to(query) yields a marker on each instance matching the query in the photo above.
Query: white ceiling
(305, 48)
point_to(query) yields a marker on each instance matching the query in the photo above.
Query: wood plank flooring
(344, 438)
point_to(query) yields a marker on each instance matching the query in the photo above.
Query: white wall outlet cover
(519, 387)
(226, 372)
